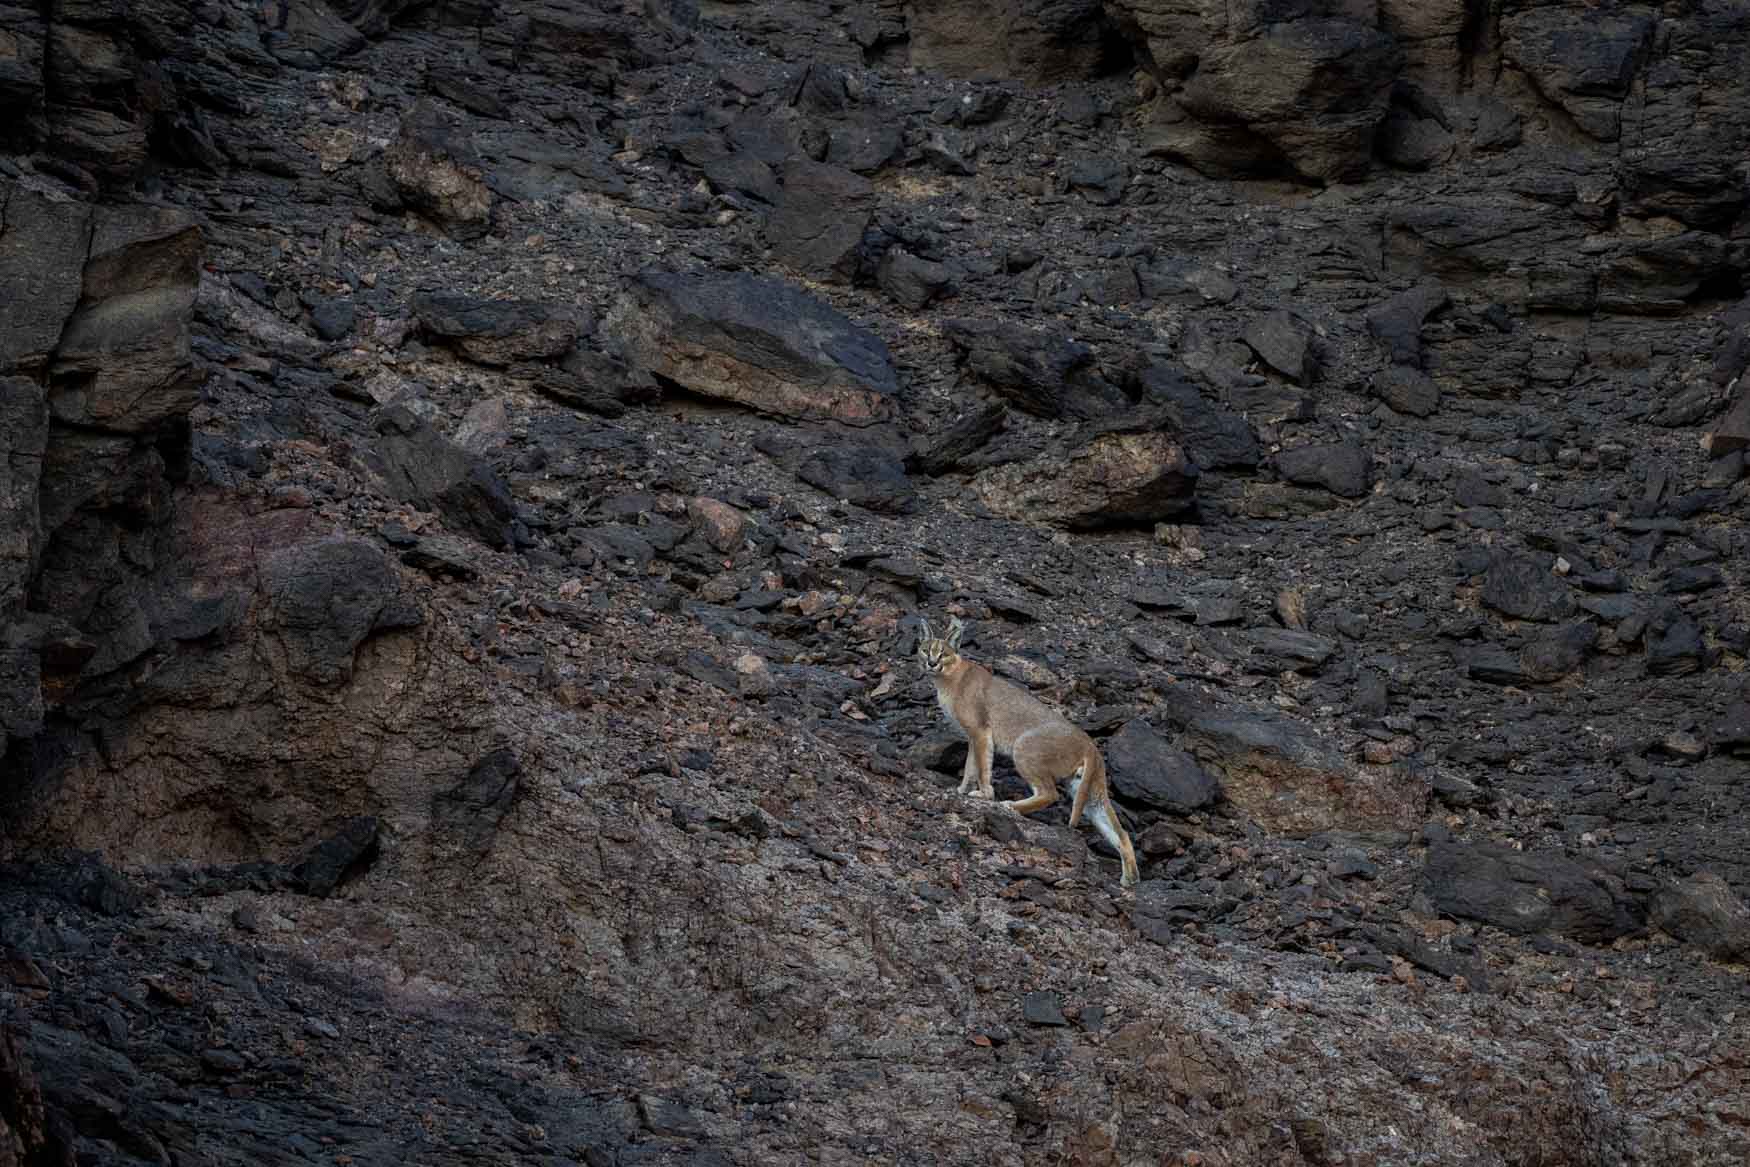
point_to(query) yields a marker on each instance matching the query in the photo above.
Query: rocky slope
(473, 471)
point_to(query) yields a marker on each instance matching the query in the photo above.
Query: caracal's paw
(1127, 880)
(976, 792)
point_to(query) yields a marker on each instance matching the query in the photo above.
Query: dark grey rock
(478, 803)
(1524, 892)
(496, 332)
(1524, 587)
(423, 467)
(755, 340)
(1343, 468)
(325, 597)
(912, 282)
(1283, 341)
(1043, 1008)
(1040, 372)
(861, 473)
(819, 225)
(1675, 645)
(1216, 438)
(1408, 390)
(1276, 650)
(1144, 767)
(942, 452)
(347, 852)
(1703, 910)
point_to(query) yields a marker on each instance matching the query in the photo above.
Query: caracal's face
(936, 655)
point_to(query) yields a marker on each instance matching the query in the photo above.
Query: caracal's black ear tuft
(955, 629)
(928, 635)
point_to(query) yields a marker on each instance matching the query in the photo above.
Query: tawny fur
(998, 717)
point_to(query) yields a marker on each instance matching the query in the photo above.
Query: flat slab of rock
(1281, 776)
(757, 341)
(1113, 479)
(496, 332)
(1343, 468)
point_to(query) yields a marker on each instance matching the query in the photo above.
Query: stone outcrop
(755, 340)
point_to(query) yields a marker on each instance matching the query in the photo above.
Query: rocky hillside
(473, 471)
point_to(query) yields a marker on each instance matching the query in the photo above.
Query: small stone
(1684, 744)
(1043, 1008)
(753, 677)
(722, 526)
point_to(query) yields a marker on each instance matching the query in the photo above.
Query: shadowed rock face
(473, 474)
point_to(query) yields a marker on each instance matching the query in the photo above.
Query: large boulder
(123, 363)
(423, 467)
(1144, 767)
(325, 597)
(436, 172)
(819, 225)
(1105, 477)
(1524, 892)
(1280, 775)
(496, 332)
(758, 341)
(1305, 95)
(1585, 67)
(1704, 911)
(1046, 374)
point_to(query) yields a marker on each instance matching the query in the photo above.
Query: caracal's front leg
(969, 772)
(987, 749)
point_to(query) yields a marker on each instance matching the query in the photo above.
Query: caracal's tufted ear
(955, 629)
(928, 635)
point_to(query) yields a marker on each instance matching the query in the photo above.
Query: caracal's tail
(1094, 795)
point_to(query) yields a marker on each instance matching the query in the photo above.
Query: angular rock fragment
(1524, 587)
(1283, 341)
(423, 467)
(1312, 91)
(1043, 373)
(1408, 390)
(326, 597)
(758, 341)
(1144, 767)
(123, 363)
(1703, 910)
(820, 222)
(1397, 323)
(860, 473)
(1113, 478)
(496, 332)
(939, 454)
(1343, 468)
(436, 173)
(912, 282)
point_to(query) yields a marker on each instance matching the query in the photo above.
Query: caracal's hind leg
(1105, 818)
(1078, 794)
(1032, 759)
